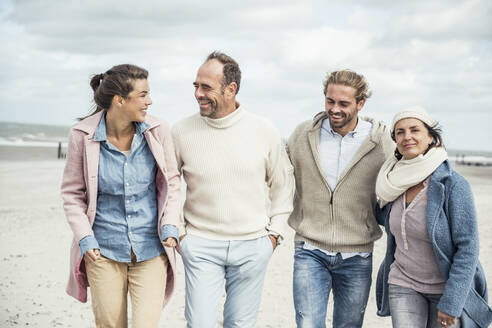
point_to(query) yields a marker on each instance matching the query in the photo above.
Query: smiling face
(215, 99)
(342, 108)
(412, 137)
(135, 105)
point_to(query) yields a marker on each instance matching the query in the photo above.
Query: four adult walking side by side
(220, 188)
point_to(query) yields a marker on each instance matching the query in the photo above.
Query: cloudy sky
(437, 54)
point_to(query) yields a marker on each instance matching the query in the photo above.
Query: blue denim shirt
(126, 212)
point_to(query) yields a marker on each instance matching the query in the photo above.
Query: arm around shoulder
(388, 144)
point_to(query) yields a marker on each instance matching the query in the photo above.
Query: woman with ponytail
(430, 276)
(121, 190)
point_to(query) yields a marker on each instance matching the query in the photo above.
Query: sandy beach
(35, 240)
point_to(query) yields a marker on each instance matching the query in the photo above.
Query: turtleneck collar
(226, 121)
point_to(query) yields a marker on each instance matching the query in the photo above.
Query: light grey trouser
(411, 309)
(241, 263)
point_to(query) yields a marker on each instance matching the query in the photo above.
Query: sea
(32, 135)
(23, 141)
(32, 142)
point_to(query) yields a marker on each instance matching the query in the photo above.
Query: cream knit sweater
(240, 182)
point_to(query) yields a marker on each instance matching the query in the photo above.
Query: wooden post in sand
(59, 150)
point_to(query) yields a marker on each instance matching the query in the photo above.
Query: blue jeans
(242, 264)
(411, 309)
(316, 273)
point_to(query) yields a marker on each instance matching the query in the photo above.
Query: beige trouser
(110, 282)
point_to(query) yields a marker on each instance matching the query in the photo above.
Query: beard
(340, 120)
(211, 108)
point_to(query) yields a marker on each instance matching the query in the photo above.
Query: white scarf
(396, 176)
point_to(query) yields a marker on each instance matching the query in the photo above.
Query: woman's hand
(445, 320)
(170, 242)
(180, 239)
(93, 254)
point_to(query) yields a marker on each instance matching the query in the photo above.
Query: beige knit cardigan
(342, 220)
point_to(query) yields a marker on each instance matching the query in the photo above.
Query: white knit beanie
(413, 112)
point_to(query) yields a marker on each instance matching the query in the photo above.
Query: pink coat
(79, 192)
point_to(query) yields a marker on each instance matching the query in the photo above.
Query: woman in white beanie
(430, 276)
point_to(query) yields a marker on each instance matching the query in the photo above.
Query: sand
(35, 240)
(21, 154)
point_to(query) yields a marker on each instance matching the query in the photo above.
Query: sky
(435, 54)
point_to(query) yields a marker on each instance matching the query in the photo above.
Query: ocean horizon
(14, 134)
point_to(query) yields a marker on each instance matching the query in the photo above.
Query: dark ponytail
(96, 81)
(118, 81)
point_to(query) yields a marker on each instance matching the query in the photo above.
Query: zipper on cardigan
(332, 218)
